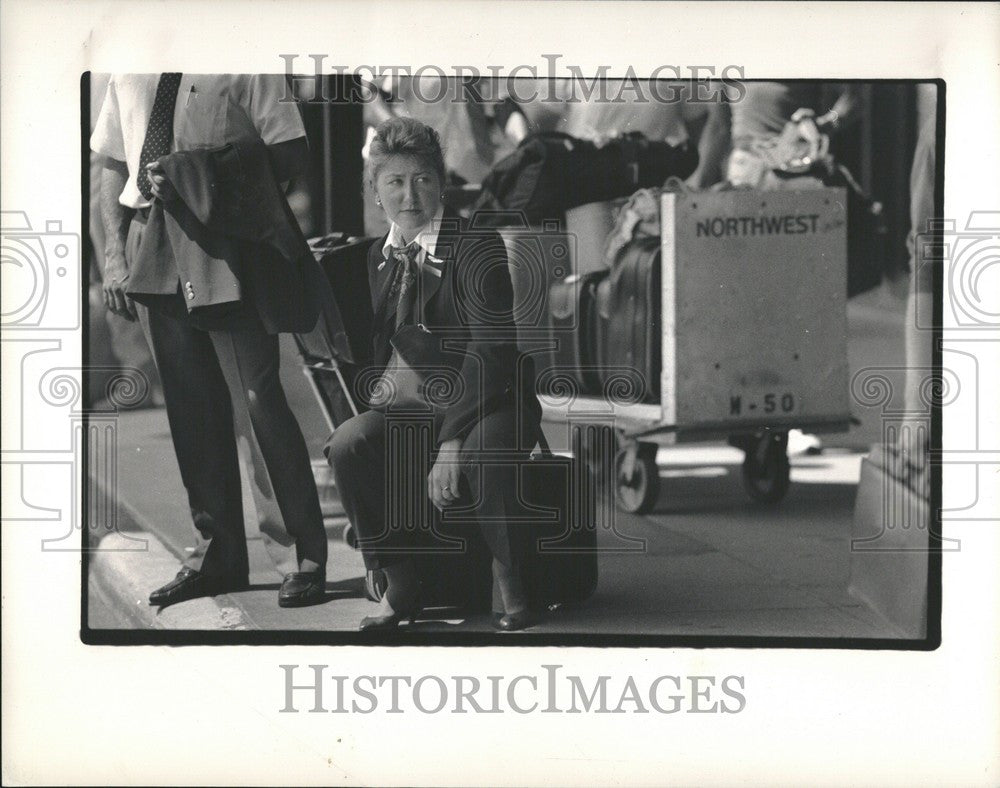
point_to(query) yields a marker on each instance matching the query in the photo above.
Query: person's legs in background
(114, 341)
(924, 244)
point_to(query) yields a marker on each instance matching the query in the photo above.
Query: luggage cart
(754, 341)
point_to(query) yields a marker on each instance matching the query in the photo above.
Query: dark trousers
(381, 463)
(220, 385)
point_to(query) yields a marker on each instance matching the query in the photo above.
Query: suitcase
(557, 544)
(633, 329)
(344, 261)
(560, 549)
(602, 299)
(589, 226)
(339, 347)
(574, 323)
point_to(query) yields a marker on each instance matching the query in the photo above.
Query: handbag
(421, 375)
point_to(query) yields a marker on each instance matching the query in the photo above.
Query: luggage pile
(603, 307)
(606, 316)
(552, 172)
(605, 310)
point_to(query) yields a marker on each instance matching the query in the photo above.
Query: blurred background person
(739, 131)
(113, 342)
(914, 437)
(660, 113)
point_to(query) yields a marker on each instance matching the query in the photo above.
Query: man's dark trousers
(215, 382)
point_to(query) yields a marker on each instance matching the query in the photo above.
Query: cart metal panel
(754, 313)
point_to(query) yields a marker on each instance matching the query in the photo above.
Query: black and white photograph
(571, 358)
(390, 389)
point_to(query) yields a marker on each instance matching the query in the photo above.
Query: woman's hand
(442, 482)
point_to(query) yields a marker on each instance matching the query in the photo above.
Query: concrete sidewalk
(712, 563)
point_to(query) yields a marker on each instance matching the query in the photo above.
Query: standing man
(202, 250)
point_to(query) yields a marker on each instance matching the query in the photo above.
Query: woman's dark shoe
(508, 593)
(401, 598)
(392, 620)
(512, 622)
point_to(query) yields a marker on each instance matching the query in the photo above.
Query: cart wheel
(638, 494)
(350, 537)
(375, 584)
(766, 468)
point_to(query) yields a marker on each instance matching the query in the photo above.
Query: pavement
(711, 562)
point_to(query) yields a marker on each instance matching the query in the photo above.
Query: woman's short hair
(405, 136)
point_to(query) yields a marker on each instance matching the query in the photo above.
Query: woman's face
(410, 192)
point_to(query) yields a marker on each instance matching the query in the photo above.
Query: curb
(124, 576)
(123, 567)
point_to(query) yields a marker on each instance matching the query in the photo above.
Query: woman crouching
(433, 274)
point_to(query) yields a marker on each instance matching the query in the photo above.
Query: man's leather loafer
(299, 589)
(191, 584)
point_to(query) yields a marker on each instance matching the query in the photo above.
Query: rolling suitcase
(559, 549)
(589, 226)
(633, 330)
(556, 538)
(573, 321)
(344, 261)
(339, 347)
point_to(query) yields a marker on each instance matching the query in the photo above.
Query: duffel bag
(551, 172)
